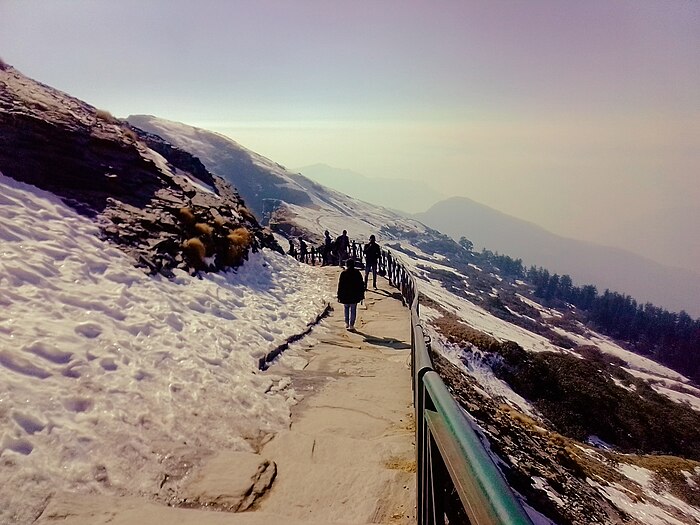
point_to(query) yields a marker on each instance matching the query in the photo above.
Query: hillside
(587, 263)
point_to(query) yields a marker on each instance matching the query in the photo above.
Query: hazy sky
(581, 116)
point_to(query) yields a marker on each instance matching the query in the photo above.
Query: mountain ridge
(586, 262)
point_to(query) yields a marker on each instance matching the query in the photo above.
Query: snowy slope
(109, 377)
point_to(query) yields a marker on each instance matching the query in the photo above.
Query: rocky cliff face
(155, 201)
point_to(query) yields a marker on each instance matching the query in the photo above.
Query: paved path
(348, 456)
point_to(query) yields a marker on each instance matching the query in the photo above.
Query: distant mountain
(399, 194)
(587, 263)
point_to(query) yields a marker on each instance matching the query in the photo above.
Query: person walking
(327, 248)
(351, 290)
(372, 255)
(342, 244)
(303, 251)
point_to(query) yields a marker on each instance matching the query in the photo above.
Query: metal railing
(457, 480)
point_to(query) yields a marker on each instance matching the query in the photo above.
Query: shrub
(195, 251)
(204, 229)
(186, 216)
(239, 242)
(105, 115)
(131, 134)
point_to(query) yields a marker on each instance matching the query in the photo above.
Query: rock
(230, 481)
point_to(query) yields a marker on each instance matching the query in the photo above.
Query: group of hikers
(343, 252)
(330, 252)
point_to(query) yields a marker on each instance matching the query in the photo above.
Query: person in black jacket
(351, 290)
(372, 255)
(342, 245)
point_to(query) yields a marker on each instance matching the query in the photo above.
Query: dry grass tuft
(131, 134)
(186, 215)
(240, 237)
(220, 221)
(103, 114)
(195, 251)
(402, 464)
(204, 229)
(240, 240)
(247, 215)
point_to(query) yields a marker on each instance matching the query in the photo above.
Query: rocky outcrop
(157, 202)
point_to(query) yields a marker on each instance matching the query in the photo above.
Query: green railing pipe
(486, 496)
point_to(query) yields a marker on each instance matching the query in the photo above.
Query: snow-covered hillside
(115, 381)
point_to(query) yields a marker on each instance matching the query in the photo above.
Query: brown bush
(186, 216)
(195, 251)
(105, 115)
(204, 229)
(239, 241)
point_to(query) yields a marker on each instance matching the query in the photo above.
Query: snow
(113, 360)
(641, 510)
(629, 388)
(482, 320)
(635, 361)
(546, 312)
(106, 374)
(541, 484)
(489, 385)
(595, 441)
(680, 397)
(656, 508)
